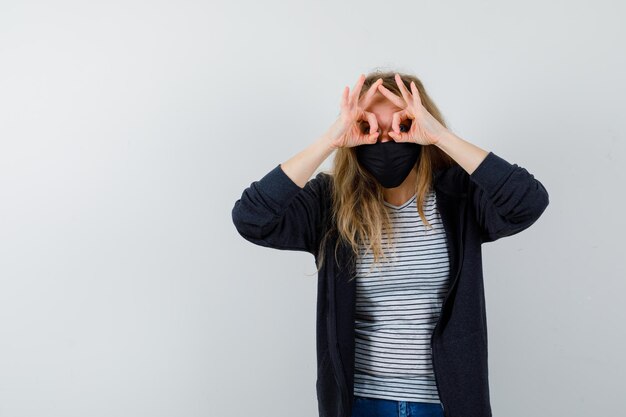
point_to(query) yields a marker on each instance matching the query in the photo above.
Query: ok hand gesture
(425, 129)
(347, 131)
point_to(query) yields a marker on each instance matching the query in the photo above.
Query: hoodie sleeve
(275, 212)
(506, 197)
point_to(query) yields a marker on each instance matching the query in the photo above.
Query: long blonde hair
(358, 213)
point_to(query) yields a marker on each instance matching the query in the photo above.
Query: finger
(369, 96)
(392, 97)
(395, 136)
(356, 91)
(402, 137)
(344, 97)
(372, 138)
(416, 94)
(405, 93)
(371, 119)
(395, 121)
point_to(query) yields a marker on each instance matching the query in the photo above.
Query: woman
(396, 230)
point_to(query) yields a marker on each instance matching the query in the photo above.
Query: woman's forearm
(301, 166)
(466, 154)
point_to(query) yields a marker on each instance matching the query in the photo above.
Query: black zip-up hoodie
(498, 199)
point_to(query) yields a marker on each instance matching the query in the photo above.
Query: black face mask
(389, 162)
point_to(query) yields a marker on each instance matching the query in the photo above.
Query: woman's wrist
(466, 154)
(326, 142)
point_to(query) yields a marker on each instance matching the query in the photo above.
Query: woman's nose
(383, 136)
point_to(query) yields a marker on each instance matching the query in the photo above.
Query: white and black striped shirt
(397, 306)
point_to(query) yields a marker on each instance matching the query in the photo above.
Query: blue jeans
(377, 407)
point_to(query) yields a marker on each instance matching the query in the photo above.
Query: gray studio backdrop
(128, 130)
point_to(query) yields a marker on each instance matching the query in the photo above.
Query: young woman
(396, 229)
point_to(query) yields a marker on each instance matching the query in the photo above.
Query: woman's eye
(402, 126)
(365, 127)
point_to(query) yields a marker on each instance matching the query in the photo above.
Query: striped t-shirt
(397, 307)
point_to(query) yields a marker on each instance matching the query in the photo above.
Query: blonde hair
(358, 213)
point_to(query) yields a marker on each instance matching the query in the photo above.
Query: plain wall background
(129, 129)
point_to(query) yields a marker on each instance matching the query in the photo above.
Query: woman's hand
(425, 129)
(346, 131)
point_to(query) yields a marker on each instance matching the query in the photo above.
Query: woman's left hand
(425, 129)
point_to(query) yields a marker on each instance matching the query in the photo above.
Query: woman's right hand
(346, 132)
